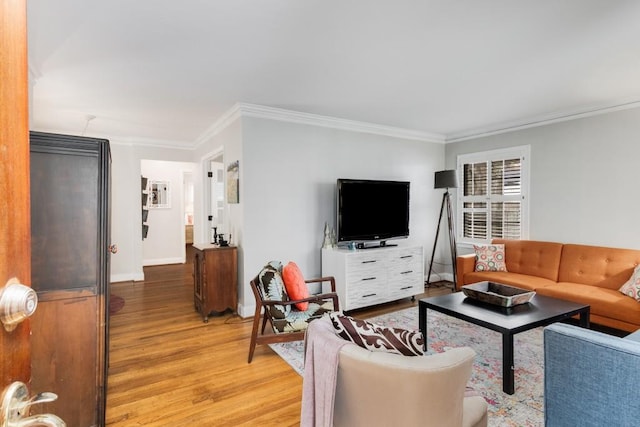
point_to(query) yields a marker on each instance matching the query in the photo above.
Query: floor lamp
(446, 179)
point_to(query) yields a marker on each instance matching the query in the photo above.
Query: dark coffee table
(540, 311)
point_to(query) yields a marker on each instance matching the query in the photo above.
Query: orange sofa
(581, 273)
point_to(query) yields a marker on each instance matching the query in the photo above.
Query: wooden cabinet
(373, 276)
(215, 279)
(70, 273)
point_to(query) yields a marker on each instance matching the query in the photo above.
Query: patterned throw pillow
(378, 338)
(272, 288)
(490, 258)
(632, 287)
(295, 285)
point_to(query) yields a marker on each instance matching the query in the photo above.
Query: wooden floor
(167, 367)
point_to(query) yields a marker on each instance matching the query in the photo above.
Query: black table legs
(422, 321)
(508, 382)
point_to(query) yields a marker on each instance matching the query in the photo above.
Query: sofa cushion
(490, 258)
(522, 281)
(598, 266)
(533, 258)
(297, 320)
(604, 302)
(295, 285)
(631, 287)
(378, 338)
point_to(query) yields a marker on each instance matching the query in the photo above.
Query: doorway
(216, 208)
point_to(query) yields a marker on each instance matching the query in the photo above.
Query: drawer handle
(406, 256)
(369, 262)
(406, 287)
(369, 278)
(407, 272)
(368, 295)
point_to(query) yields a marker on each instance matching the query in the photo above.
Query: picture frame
(233, 182)
(160, 195)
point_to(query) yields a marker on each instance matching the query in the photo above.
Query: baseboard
(246, 311)
(163, 261)
(437, 277)
(126, 277)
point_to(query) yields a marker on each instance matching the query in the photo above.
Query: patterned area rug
(523, 409)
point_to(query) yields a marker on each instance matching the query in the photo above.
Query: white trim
(272, 113)
(227, 118)
(543, 120)
(163, 261)
(150, 142)
(246, 311)
(437, 277)
(241, 109)
(126, 277)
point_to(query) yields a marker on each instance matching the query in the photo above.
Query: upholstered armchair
(384, 389)
(287, 317)
(590, 378)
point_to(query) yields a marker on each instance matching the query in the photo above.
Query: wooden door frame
(15, 232)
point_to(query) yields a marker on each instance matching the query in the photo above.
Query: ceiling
(165, 71)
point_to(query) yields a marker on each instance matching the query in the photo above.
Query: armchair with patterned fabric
(286, 315)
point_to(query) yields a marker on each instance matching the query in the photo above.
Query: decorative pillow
(378, 338)
(632, 287)
(272, 288)
(490, 258)
(295, 285)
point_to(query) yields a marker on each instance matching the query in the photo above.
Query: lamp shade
(446, 179)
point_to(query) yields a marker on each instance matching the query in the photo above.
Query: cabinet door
(198, 265)
(70, 227)
(221, 276)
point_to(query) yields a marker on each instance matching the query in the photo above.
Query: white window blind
(492, 203)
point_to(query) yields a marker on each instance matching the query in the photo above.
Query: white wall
(126, 223)
(229, 143)
(165, 242)
(288, 177)
(584, 177)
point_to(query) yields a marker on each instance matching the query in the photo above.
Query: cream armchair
(383, 389)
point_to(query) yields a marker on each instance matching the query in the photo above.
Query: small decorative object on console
(498, 294)
(327, 243)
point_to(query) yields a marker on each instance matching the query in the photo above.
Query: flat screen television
(372, 210)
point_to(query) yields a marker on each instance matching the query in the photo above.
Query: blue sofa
(590, 378)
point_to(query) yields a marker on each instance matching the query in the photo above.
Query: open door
(15, 234)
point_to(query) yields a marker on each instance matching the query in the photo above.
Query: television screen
(372, 210)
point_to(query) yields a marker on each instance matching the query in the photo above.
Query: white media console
(367, 277)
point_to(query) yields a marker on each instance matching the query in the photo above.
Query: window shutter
(492, 197)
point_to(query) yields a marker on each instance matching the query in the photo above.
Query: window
(493, 200)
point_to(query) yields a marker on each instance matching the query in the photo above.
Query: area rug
(523, 409)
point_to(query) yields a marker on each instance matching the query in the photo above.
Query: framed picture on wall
(160, 193)
(233, 190)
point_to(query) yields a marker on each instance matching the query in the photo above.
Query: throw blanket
(322, 349)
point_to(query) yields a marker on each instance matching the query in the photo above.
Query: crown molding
(228, 117)
(151, 143)
(544, 120)
(272, 113)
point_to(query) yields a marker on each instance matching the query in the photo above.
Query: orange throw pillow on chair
(295, 285)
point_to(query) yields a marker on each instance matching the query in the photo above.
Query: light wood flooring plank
(167, 367)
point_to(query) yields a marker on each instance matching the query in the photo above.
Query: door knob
(16, 403)
(17, 302)
(113, 249)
